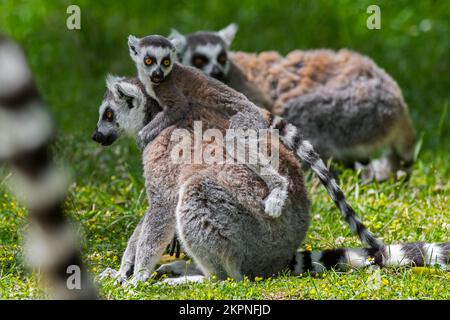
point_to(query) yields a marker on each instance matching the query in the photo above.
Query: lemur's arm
(157, 230)
(204, 91)
(175, 109)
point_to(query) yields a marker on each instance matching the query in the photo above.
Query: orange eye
(109, 115)
(166, 62)
(148, 61)
(222, 59)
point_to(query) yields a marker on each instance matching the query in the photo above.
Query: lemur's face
(207, 51)
(154, 56)
(122, 111)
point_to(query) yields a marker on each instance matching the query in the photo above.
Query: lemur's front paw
(108, 273)
(140, 277)
(274, 203)
(113, 274)
(126, 270)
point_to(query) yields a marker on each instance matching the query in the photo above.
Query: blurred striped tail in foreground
(25, 136)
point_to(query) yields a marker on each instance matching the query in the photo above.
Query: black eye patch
(199, 60)
(108, 115)
(222, 57)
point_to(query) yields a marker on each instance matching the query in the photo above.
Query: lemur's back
(346, 105)
(300, 72)
(235, 199)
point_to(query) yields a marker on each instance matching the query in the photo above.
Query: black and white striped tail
(25, 132)
(293, 140)
(416, 254)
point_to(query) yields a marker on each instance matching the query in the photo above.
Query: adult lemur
(210, 207)
(343, 103)
(178, 89)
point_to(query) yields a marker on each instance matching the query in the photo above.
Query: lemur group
(230, 218)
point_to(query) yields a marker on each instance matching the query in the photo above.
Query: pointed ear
(111, 81)
(174, 34)
(228, 33)
(126, 90)
(177, 40)
(133, 45)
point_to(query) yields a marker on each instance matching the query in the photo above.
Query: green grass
(107, 196)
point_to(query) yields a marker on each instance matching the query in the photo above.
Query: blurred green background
(412, 45)
(107, 197)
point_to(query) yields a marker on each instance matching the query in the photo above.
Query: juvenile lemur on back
(344, 104)
(176, 88)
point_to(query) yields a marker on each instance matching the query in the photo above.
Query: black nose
(216, 73)
(98, 137)
(104, 139)
(157, 76)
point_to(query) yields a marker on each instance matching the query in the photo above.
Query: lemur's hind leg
(403, 147)
(379, 169)
(400, 158)
(207, 219)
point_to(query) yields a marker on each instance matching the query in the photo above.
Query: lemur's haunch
(178, 88)
(25, 133)
(209, 207)
(343, 103)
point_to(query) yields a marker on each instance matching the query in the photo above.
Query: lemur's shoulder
(200, 87)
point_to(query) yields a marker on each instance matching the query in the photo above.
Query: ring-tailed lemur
(25, 135)
(177, 88)
(344, 104)
(207, 198)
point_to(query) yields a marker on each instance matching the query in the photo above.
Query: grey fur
(214, 218)
(183, 87)
(218, 227)
(351, 118)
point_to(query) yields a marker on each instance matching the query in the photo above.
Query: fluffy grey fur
(210, 209)
(214, 217)
(186, 86)
(181, 87)
(344, 104)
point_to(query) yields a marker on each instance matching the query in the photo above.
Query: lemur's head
(154, 56)
(124, 110)
(206, 50)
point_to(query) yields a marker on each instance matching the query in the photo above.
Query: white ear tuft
(177, 40)
(133, 45)
(129, 90)
(111, 80)
(228, 33)
(175, 34)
